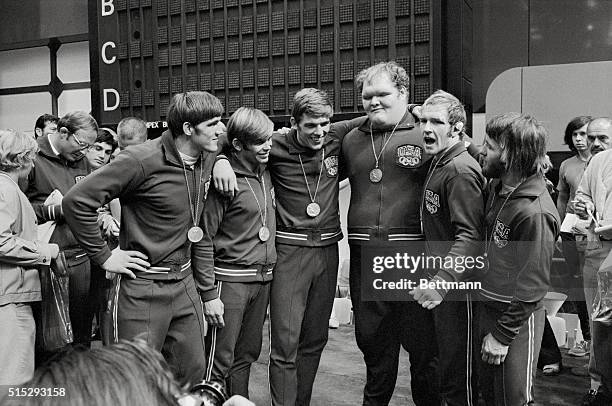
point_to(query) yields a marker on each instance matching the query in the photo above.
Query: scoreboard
(257, 53)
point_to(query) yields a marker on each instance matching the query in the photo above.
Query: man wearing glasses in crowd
(59, 166)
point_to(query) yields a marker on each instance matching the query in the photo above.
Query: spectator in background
(131, 131)
(60, 165)
(20, 252)
(594, 201)
(570, 173)
(45, 124)
(102, 150)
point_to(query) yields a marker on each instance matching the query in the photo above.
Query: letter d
(106, 106)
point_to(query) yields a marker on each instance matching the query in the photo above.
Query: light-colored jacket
(20, 251)
(596, 187)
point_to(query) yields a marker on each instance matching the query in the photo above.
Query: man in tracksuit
(304, 165)
(162, 186)
(60, 165)
(521, 227)
(385, 164)
(239, 254)
(452, 213)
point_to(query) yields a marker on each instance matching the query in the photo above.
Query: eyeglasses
(83, 145)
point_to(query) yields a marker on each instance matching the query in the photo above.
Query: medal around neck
(195, 234)
(264, 233)
(313, 209)
(376, 175)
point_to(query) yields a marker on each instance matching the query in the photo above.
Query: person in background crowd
(452, 211)
(162, 185)
(102, 150)
(385, 163)
(521, 224)
(20, 252)
(60, 165)
(570, 173)
(593, 203)
(238, 254)
(45, 125)
(131, 131)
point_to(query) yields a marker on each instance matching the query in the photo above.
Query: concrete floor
(342, 375)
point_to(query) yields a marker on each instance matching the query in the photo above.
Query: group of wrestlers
(220, 222)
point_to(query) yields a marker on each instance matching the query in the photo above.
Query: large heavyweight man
(384, 160)
(162, 186)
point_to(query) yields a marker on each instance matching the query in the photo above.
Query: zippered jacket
(232, 250)
(387, 210)
(521, 235)
(453, 210)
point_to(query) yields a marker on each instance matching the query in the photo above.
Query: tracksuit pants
(380, 329)
(168, 315)
(233, 348)
(511, 383)
(458, 352)
(301, 301)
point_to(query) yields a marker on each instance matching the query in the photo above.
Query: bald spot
(601, 124)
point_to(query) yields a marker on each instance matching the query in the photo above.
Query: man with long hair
(521, 227)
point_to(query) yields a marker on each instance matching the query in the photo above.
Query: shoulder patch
(79, 178)
(331, 166)
(432, 201)
(408, 156)
(501, 233)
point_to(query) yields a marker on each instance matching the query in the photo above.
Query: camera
(205, 393)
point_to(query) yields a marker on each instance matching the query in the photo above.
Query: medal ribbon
(263, 214)
(312, 199)
(194, 214)
(377, 157)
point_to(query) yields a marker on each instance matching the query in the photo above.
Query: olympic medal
(376, 175)
(195, 234)
(313, 209)
(264, 233)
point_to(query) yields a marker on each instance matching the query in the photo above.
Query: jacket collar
(295, 147)
(171, 154)
(239, 168)
(406, 123)
(533, 186)
(450, 153)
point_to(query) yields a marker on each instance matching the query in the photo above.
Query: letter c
(104, 58)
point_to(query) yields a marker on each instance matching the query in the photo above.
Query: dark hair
(193, 108)
(131, 130)
(123, 374)
(106, 136)
(311, 101)
(396, 73)
(42, 121)
(575, 124)
(249, 126)
(523, 142)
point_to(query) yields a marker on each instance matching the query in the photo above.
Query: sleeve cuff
(100, 257)
(47, 253)
(209, 295)
(503, 335)
(441, 281)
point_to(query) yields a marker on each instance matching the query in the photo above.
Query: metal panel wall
(254, 53)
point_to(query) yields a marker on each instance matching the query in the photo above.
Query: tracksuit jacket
(294, 226)
(231, 226)
(388, 210)
(520, 245)
(453, 209)
(155, 211)
(54, 172)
